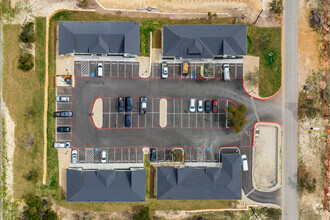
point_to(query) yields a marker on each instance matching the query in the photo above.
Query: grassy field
(260, 42)
(23, 95)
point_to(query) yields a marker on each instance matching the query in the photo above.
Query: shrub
(26, 61)
(237, 116)
(38, 208)
(253, 77)
(144, 214)
(83, 3)
(32, 176)
(27, 34)
(276, 7)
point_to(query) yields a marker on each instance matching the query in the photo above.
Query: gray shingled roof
(106, 186)
(204, 41)
(99, 37)
(190, 183)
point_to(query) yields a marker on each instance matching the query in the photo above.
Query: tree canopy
(237, 116)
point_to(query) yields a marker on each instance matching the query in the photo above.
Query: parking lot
(114, 155)
(67, 121)
(178, 115)
(118, 69)
(174, 70)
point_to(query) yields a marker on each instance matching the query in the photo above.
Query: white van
(244, 162)
(99, 69)
(226, 73)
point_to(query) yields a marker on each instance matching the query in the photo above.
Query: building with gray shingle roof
(191, 183)
(106, 186)
(99, 37)
(204, 41)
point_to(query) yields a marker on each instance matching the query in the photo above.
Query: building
(190, 183)
(106, 186)
(99, 37)
(204, 41)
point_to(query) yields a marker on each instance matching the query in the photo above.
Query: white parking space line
(110, 68)
(118, 69)
(174, 112)
(132, 69)
(138, 120)
(152, 114)
(235, 70)
(109, 112)
(203, 121)
(181, 114)
(116, 121)
(125, 68)
(189, 119)
(196, 120)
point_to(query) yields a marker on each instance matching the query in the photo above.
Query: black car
(128, 104)
(143, 105)
(207, 106)
(121, 104)
(127, 120)
(63, 129)
(152, 154)
(63, 114)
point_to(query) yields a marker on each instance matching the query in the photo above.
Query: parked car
(128, 104)
(74, 155)
(200, 105)
(244, 162)
(63, 129)
(127, 120)
(207, 106)
(192, 105)
(226, 73)
(152, 154)
(143, 105)
(215, 106)
(164, 70)
(62, 98)
(63, 114)
(99, 69)
(62, 145)
(121, 104)
(103, 156)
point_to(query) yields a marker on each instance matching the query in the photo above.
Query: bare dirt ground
(251, 63)
(310, 146)
(266, 148)
(97, 113)
(10, 149)
(163, 113)
(186, 6)
(308, 48)
(64, 159)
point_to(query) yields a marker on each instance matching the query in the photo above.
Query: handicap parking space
(119, 69)
(114, 155)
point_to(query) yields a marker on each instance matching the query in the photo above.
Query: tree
(253, 77)
(237, 116)
(26, 61)
(27, 34)
(38, 208)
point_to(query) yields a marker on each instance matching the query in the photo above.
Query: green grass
(260, 42)
(24, 96)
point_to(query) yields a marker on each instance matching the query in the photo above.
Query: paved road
(289, 111)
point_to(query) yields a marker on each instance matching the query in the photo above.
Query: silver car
(226, 73)
(74, 155)
(62, 98)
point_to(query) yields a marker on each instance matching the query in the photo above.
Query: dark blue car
(127, 120)
(152, 154)
(121, 104)
(207, 106)
(128, 104)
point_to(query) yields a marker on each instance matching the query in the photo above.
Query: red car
(215, 106)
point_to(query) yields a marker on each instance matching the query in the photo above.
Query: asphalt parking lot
(63, 106)
(114, 155)
(118, 69)
(174, 70)
(178, 115)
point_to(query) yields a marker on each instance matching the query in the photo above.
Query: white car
(226, 73)
(74, 155)
(192, 105)
(200, 105)
(62, 98)
(103, 156)
(164, 70)
(99, 69)
(244, 162)
(62, 145)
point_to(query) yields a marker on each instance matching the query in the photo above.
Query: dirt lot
(183, 5)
